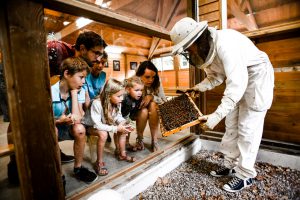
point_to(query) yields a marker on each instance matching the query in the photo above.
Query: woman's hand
(146, 100)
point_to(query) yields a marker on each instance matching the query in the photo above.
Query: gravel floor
(191, 180)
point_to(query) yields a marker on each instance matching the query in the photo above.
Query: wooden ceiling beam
(240, 16)
(74, 26)
(76, 8)
(251, 15)
(164, 22)
(280, 28)
(117, 4)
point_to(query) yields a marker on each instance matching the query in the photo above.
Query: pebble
(191, 181)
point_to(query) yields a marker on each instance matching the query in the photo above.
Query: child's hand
(146, 100)
(122, 129)
(129, 128)
(66, 119)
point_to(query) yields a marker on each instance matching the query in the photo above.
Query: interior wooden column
(196, 75)
(23, 41)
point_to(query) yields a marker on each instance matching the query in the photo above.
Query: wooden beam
(240, 16)
(23, 41)
(74, 26)
(153, 47)
(92, 12)
(117, 4)
(165, 22)
(251, 15)
(280, 28)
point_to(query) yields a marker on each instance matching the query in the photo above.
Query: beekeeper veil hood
(185, 32)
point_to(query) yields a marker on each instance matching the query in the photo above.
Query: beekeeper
(227, 55)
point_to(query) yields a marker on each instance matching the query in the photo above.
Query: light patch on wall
(114, 49)
(81, 22)
(66, 23)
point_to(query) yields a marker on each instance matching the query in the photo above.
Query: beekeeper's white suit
(249, 79)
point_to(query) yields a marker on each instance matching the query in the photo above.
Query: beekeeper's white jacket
(249, 79)
(235, 59)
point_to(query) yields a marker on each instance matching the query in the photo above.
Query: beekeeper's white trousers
(242, 138)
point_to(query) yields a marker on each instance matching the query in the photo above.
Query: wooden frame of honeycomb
(177, 114)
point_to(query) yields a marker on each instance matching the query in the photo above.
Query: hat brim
(190, 39)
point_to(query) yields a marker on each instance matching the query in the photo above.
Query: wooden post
(23, 41)
(196, 75)
(176, 69)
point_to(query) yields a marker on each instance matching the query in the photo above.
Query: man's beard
(88, 61)
(195, 60)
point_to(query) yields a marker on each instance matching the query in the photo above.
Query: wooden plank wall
(210, 10)
(124, 65)
(283, 119)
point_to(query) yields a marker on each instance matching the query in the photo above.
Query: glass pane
(184, 63)
(168, 63)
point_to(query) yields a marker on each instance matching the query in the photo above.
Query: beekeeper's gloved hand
(210, 121)
(203, 86)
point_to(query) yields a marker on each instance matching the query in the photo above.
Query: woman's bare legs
(141, 122)
(153, 121)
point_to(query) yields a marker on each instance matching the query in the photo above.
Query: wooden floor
(73, 186)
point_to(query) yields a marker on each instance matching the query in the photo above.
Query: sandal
(100, 169)
(155, 146)
(139, 144)
(130, 147)
(117, 152)
(126, 158)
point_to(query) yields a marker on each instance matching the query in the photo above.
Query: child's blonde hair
(129, 83)
(112, 86)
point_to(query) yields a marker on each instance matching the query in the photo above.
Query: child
(131, 103)
(67, 103)
(153, 94)
(105, 116)
(95, 81)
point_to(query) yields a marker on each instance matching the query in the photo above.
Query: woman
(153, 94)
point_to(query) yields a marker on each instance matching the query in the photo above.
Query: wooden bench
(7, 150)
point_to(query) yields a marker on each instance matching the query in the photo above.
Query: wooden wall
(125, 60)
(210, 10)
(283, 119)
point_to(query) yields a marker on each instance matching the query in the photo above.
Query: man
(95, 80)
(227, 55)
(89, 46)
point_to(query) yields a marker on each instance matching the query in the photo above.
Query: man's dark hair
(89, 39)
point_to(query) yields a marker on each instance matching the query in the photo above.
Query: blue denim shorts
(64, 132)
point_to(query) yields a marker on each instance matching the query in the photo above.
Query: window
(164, 63)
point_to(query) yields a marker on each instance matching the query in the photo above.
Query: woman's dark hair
(149, 65)
(89, 39)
